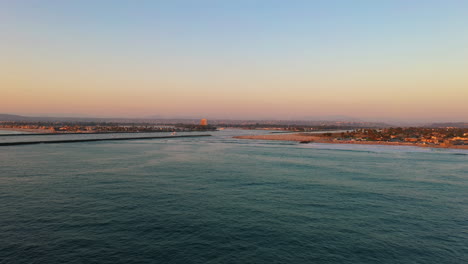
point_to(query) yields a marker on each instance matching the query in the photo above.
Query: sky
(243, 59)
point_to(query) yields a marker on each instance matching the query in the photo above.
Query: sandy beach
(309, 138)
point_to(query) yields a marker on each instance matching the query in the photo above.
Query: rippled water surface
(224, 200)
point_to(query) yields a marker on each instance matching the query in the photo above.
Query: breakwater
(78, 133)
(92, 140)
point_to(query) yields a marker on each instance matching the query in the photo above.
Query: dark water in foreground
(222, 200)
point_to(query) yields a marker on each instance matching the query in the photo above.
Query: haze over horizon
(337, 118)
(368, 60)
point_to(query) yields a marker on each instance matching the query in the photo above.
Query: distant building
(203, 122)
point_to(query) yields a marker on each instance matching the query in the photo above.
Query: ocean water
(224, 200)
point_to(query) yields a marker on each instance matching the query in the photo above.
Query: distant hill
(333, 118)
(451, 124)
(341, 123)
(19, 118)
(8, 117)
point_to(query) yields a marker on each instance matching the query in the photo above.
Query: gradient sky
(395, 59)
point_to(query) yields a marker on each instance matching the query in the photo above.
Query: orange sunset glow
(56, 64)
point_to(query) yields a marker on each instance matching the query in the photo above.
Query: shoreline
(41, 132)
(316, 139)
(29, 130)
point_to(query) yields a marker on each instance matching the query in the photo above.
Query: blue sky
(292, 58)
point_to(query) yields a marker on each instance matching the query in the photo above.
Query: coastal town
(449, 137)
(421, 135)
(454, 136)
(104, 127)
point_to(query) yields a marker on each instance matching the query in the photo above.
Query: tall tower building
(203, 122)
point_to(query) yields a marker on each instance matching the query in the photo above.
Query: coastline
(316, 139)
(29, 130)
